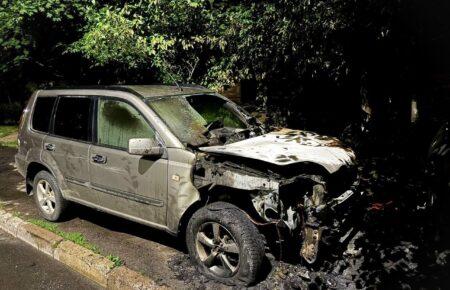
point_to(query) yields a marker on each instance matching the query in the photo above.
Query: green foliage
(75, 237)
(112, 37)
(210, 42)
(337, 49)
(116, 260)
(218, 43)
(79, 239)
(17, 20)
(45, 225)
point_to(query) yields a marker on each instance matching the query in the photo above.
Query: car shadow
(118, 224)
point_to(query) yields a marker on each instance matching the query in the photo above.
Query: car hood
(286, 146)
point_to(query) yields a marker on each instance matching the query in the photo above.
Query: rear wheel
(48, 197)
(225, 244)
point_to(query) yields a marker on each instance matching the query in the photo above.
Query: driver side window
(117, 122)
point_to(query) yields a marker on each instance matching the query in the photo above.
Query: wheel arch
(237, 197)
(187, 214)
(34, 168)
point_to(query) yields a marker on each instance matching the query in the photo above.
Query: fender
(181, 192)
(46, 159)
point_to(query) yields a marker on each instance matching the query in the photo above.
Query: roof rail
(97, 87)
(194, 86)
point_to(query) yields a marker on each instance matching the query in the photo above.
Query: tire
(45, 195)
(236, 234)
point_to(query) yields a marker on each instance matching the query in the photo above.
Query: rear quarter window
(43, 113)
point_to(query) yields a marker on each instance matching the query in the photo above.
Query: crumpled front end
(286, 147)
(307, 205)
(297, 199)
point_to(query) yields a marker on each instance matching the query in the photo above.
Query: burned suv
(187, 161)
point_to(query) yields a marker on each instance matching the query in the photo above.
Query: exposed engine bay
(293, 180)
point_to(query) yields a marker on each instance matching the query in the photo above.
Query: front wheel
(225, 245)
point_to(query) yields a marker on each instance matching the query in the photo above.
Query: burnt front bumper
(326, 221)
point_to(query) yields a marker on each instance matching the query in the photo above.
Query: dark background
(347, 68)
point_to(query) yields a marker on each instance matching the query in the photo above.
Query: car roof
(152, 91)
(147, 91)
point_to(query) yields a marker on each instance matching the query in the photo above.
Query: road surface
(23, 267)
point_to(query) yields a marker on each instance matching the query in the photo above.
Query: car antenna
(178, 86)
(176, 83)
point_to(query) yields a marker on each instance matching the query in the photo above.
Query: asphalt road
(23, 267)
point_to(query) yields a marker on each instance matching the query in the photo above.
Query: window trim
(51, 115)
(95, 118)
(92, 120)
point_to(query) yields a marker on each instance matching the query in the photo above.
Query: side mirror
(145, 147)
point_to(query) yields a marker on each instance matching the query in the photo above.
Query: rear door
(129, 185)
(68, 144)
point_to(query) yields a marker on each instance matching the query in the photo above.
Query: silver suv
(187, 161)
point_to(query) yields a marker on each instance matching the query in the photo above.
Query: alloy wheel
(46, 196)
(217, 249)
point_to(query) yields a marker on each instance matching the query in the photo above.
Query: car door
(68, 145)
(132, 186)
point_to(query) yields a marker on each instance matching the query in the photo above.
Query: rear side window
(118, 122)
(43, 113)
(72, 118)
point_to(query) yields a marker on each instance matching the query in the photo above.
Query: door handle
(49, 147)
(99, 159)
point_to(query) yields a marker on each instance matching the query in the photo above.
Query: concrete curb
(39, 238)
(93, 266)
(84, 261)
(134, 280)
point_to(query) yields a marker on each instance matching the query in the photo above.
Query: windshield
(189, 117)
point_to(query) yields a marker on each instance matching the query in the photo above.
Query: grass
(80, 240)
(11, 144)
(6, 131)
(75, 237)
(17, 214)
(116, 260)
(45, 225)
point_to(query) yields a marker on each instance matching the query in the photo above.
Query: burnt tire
(47, 196)
(235, 225)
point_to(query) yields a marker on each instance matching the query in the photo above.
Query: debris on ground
(392, 248)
